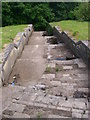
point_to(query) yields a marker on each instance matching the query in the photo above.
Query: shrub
(75, 33)
(49, 29)
(81, 12)
(57, 69)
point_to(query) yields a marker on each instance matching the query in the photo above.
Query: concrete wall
(78, 48)
(12, 52)
(58, 33)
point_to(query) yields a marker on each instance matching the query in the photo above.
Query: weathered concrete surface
(46, 87)
(31, 65)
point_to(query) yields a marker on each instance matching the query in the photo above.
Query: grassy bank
(79, 30)
(9, 33)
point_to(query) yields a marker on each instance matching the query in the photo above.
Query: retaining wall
(12, 52)
(78, 48)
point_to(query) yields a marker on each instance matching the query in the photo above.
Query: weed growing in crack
(48, 69)
(57, 69)
(39, 115)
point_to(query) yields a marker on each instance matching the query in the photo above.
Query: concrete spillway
(44, 86)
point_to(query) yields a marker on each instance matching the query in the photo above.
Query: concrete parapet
(58, 33)
(80, 49)
(12, 52)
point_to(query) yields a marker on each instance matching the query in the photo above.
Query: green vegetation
(82, 12)
(77, 29)
(38, 14)
(49, 29)
(48, 69)
(75, 33)
(57, 69)
(9, 33)
(39, 115)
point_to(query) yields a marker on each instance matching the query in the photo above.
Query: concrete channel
(47, 81)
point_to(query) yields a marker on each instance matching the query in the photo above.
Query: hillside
(79, 30)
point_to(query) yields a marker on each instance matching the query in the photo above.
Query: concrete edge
(12, 52)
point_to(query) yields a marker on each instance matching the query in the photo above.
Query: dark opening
(66, 58)
(70, 58)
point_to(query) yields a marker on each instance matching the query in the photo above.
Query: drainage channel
(66, 58)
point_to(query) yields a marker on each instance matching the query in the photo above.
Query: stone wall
(78, 48)
(12, 52)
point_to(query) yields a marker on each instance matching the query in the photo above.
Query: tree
(36, 13)
(41, 15)
(63, 10)
(81, 12)
(6, 14)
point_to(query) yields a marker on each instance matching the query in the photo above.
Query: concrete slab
(67, 67)
(48, 76)
(51, 65)
(16, 107)
(55, 83)
(20, 115)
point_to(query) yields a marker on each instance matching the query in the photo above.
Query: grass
(9, 32)
(48, 69)
(79, 30)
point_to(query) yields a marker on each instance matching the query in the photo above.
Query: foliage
(75, 33)
(71, 15)
(40, 13)
(81, 12)
(57, 69)
(20, 13)
(62, 10)
(6, 14)
(77, 29)
(49, 30)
